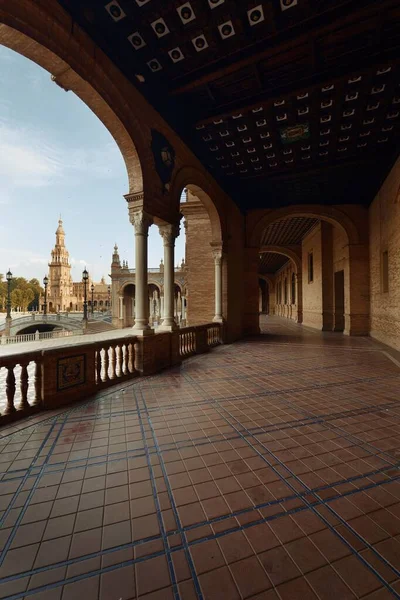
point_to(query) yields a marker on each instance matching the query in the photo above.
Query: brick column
(251, 317)
(169, 233)
(357, 293)
(327, 276)
(141, 221)
(299, 297)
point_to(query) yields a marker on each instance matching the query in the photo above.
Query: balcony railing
(62, 374)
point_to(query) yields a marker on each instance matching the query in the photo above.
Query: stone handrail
(66, 373)
(199, 338)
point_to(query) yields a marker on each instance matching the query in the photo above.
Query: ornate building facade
(65, 295)
(124, 293)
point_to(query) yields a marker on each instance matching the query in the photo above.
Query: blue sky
(57, 157)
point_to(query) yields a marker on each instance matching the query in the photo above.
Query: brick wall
(385, 236)
(312, 291)
(200, 263)
(288, 309)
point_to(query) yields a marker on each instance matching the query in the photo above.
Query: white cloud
(30, 160)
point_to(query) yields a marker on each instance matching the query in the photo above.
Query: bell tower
(60, 280)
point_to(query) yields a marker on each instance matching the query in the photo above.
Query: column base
(168, 327)
(142, 332)
(218, 319)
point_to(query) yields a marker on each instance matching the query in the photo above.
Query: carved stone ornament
(141, 221)
(164, 157)
(217, 254)
(169, 233)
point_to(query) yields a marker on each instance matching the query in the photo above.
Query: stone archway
(294, 255)
(26, 28)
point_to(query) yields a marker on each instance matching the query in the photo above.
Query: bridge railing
(58, 375)
(37, 336)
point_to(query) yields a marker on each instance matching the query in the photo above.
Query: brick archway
(44, 38)
(294, 256)
(324, 213)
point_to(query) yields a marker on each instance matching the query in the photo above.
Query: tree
(21, 298)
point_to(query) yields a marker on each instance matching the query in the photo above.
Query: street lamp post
(109, 297)
(45, 283)
(8, 316)
(85, 277)
(92, 290)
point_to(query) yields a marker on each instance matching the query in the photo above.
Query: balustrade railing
(61, 374)
(187, 342)
(114, 360)
(20, 383)
(199, 338)
(37, 336)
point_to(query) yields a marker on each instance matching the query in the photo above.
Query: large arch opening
(315, 274)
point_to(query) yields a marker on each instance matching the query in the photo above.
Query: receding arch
(192, 179)
(24, 28)
(324, 213)
(294, 256)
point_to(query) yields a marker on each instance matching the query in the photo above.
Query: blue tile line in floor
(326, 521)
(167, 551)
(174, 508)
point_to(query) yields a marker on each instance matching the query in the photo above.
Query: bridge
(39, 322)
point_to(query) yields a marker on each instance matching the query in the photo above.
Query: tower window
(310, 267)
(385, 272)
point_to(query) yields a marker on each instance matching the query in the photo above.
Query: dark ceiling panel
(271, 262)
(284, 101)
(288, 232)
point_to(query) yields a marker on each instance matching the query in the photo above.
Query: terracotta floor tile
(152, 575)
(145, 527)
(207, 556)
(219, 584)
(116, 534)
(53, 551)
(250, 577)
(118, 584)
(215, 507)
(278, 565)
(85, 542)
(357, 576)
(235, 546)
(296, 589)
(86, 588)
(19, 560)
(328, 585)
(191, 514)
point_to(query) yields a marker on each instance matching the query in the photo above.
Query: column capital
(141, 221)
(217, 253)
(169, 233)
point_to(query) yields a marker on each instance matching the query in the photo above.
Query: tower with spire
(60, 280)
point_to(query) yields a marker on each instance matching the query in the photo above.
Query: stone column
(121, 307)
(169, 233)
(162, 306)
(217, 253)
(141, 221)
(183, 308)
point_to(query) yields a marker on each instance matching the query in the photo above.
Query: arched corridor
(236, 435)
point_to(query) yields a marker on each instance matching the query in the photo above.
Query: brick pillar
(251, 317)
(327, 275)
(357, 293)
(200, 263)
(299, 297)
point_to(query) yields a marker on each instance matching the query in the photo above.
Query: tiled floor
(268, 469)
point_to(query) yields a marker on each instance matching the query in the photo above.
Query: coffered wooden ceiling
(284, 101)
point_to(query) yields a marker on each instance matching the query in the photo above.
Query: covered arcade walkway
(259, 470)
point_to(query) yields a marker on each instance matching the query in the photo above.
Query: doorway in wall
(339, 301)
